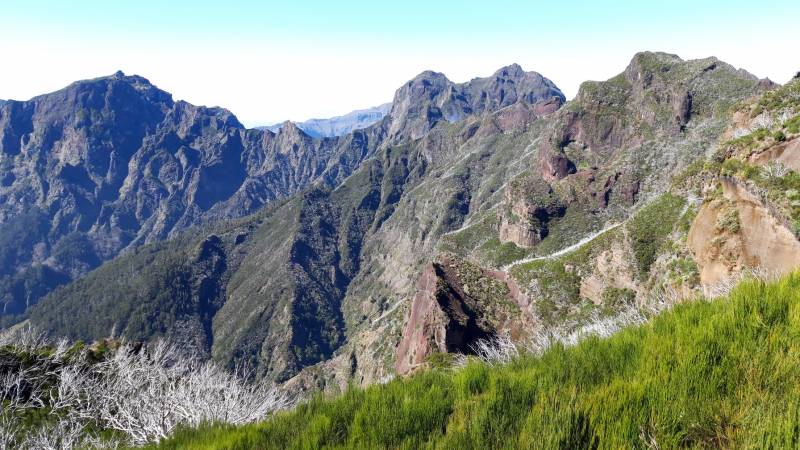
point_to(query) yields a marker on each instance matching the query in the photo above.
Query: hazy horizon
(268, 63)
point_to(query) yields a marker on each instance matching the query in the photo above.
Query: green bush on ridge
(722, 373)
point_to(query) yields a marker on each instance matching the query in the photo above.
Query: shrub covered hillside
(721, 373)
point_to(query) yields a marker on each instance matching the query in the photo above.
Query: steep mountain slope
(339, 125)
(111, 163)
(285, 304)
(108, 164)
(751, 214)
(731, 209)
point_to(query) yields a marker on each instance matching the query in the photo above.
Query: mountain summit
(429, 97)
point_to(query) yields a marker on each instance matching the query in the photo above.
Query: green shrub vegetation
(616, 297)
(650, 227)
(784, 97)
(793, 125)
(706, 374)
(729, 221)
(557, 289)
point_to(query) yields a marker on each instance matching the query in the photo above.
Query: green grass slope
(706, 374)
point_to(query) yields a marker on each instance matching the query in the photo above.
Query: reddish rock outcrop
(457, 303)
(520, 232)
(441, 320)
(554, 164)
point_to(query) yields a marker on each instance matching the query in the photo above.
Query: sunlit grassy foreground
(724, 373)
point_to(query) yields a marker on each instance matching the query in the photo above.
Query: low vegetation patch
(650, 227)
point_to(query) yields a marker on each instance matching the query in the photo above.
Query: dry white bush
(763, 120)
(142, 393)
(724, 287)
(496, 350)
(648, 439)
(9, 430)
(785, 115)
(148, 396)
(65, 434)
(775, 170)
(605, 326)
(25, 338)
(501, 349)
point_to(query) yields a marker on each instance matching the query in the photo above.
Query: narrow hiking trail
(690, 200)
(564, 250)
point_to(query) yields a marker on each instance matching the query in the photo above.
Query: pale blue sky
(268, 61)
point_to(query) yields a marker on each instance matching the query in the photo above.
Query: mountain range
(468, 210)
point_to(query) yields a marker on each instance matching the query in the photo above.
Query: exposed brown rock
(532, 206)
(554, 164)
(762, 239)
(786, 153)
(611, 268)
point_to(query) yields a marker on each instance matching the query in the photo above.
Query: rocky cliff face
(533, 204)
(739, 231)
(751, 215)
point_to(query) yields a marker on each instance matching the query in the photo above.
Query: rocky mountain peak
(290, 130)
(113, 162)
(671, 70)
(428, 77)
(127, 101)
(513, 71)
(116, 84)
(430, 97)
(657, 96)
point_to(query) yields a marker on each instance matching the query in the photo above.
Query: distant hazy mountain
(340, 125)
